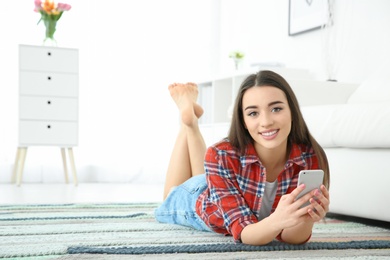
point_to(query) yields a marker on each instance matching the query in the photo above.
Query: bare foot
(197, 108)
(185, 96)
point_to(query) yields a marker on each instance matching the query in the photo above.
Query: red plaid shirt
(236, 185)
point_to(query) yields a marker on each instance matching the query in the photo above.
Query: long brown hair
(300, 134)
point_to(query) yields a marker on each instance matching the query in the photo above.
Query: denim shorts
(179, 207)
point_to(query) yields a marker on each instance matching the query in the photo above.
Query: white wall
(359, 39)
(131, 50)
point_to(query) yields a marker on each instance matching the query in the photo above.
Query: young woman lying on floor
(246, 184)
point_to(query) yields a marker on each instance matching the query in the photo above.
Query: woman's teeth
(269, 133)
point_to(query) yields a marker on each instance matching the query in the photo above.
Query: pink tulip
(38, 5)
(63, 7)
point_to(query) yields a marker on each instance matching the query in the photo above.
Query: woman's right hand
(288, 212)
(286, 215)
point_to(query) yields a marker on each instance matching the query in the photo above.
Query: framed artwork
(307, 15)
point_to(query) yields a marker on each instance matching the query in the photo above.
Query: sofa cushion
(375, 89)
(362, 126)
(319, 122)
(350, 125)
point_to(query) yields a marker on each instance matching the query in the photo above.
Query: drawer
(48, 84)
(48, 133)
(42, 108)
(53, 59)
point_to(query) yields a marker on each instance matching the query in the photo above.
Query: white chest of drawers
(48, 102)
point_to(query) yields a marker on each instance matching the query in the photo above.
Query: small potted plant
(237, 57)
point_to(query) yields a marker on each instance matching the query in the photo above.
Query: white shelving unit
(216, 97)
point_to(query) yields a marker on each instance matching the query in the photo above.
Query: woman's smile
(269, 135)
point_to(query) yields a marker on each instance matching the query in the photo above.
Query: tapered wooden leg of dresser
(72, 164)
(63, 154)
(16, 164)
(22, 159)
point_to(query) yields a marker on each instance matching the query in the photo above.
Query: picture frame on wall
(307, 15)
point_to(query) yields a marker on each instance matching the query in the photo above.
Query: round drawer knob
(48, 77)
(49, 53)
(48, 102)
(48, 126)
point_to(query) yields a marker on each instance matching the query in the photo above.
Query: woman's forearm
(265, 231)
(260, 233)
(298, 234)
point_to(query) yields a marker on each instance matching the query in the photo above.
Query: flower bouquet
(50, 14)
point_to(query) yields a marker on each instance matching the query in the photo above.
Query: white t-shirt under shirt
(268, 199)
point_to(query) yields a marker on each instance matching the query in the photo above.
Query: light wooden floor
(84, 193)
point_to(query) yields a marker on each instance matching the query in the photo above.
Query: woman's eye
(277, 109)
(252, 113)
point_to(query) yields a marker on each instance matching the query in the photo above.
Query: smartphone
(313, 179)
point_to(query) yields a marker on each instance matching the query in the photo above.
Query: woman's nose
(266, 120)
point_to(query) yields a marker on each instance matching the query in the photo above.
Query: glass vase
(237, 63)
(49, 33)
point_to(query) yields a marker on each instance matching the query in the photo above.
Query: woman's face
(267, 116)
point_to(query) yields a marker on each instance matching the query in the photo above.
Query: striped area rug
(79, 230)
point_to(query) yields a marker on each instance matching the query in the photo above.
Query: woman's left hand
(319, 205)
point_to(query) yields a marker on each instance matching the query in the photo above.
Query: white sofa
(352, 123)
